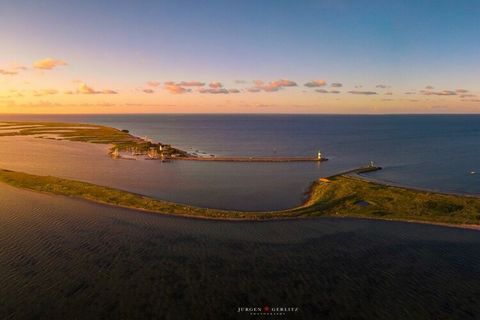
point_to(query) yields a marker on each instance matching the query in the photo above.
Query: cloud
(45, 92)
(12, 70)
(48, 63)
(108, 91)
(461, 91)
(472, 100)
(326, 91)
(214, 90)
(148, 91)
(315, 83)
(191, 84)
(272, 86)
(468, 96)
(358, 86)
(85, 89)
(8, 72)
(240, 81)
(215, 84)
(439, 93)
(218, 90)
(153, 83)
(429, 87)
(388, 93)
(381, 86)
(362, 92)
(410, 92)
(336, 85)
(175, 88)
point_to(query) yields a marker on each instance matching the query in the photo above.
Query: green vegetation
(354, 197)
(120, 139)
(340, 195)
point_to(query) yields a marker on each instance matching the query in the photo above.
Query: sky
(269, 56)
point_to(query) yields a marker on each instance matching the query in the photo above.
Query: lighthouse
(319, 155)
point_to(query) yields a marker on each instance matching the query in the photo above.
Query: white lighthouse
(319, 155)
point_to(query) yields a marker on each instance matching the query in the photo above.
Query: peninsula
(123, 144)
(342, 195)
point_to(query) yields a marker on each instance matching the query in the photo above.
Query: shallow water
(247, 186)
(62, 258)
(436, 152)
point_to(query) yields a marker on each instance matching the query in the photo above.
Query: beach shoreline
(245, 216)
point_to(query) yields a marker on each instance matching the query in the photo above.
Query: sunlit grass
(341, 195)
(120, 139)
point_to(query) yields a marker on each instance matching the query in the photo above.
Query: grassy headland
(119, 139)
(341, 195)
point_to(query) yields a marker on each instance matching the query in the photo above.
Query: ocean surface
(64, 258)
(436, 152)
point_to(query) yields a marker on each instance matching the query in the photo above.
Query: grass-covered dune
(342, 195)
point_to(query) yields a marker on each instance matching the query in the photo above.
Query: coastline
(346, 194)
(122, 141)
(303, 211)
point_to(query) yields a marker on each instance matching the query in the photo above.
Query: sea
(435, 152)
(66, 258)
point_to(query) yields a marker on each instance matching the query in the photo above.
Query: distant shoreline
(122, 141)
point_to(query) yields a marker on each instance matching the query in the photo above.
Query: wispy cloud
(148, 91)
(12, 70)
(215, 84)
(48, 63)
(381, 86)
(315, 83)
(83, 88)
(174, 88)
(45, 92)
(362, 92)
(218, 90)
(191, 84)
(438, 93)
(214, 90)
(272, 86)
(326, 91)
(8, 72)
(461, 91)
(153, 83)
(336, 85)
(429, 87)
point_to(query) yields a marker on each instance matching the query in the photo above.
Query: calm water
(63, 258)
(435, 152)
